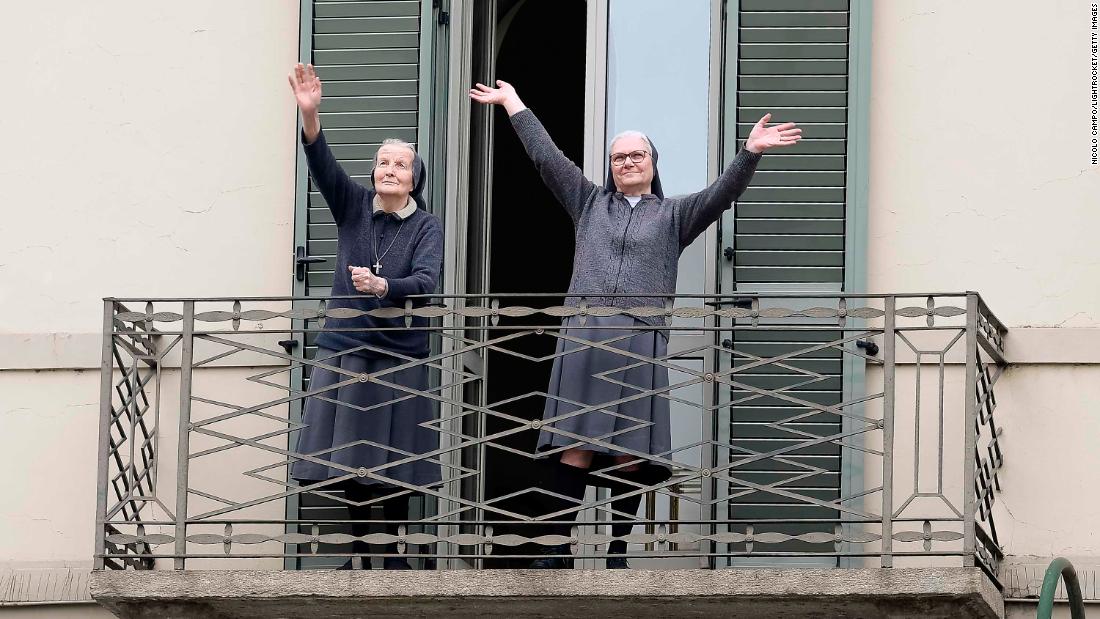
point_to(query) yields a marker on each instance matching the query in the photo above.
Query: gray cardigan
(620, 249)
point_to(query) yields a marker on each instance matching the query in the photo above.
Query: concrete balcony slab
(926, 593)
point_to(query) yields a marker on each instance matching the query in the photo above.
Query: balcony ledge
(924, 593)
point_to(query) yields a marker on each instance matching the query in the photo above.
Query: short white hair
(394, 142)
(631, 133)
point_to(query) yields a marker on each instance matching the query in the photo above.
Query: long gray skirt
(337, 419)
(592, 376)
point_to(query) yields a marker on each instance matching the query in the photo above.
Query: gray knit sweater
(620, 249)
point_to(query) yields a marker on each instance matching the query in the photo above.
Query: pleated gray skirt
(338, 419)
(595, 377)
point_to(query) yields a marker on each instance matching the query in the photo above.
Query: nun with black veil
(606, 409)
(364, 422)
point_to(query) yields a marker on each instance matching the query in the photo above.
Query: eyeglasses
(619, 159)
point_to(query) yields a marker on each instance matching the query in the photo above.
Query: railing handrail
(805, 294)
(1061, 568)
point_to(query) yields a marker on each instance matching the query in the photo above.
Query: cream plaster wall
(981, 179)
(981, 176)
(1049, 499)
(151, 152)
(1051, 491)
(1020, 610)
(49, 509)
(50, 421)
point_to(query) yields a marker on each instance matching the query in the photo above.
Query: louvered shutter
(367, 53)
(789, 234)
(793, 61)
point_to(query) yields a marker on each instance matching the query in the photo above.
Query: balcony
(830, 453)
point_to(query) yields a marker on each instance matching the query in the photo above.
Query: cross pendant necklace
(378, 258)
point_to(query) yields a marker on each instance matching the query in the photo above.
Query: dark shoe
(395, 563)
(617, 563)
(552, 563)
(349, 565)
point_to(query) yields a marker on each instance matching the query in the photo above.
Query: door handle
(869, 346)
(300, 262)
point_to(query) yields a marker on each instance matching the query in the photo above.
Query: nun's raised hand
(504, 94)
(762, 137)
(306, 87)
(307, 93)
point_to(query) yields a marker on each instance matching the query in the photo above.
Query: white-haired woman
(629, 238)
(388, 248)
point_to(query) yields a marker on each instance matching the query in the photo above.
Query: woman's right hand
(504, 94)
(367, 282)
(307, 92)
(306, 86)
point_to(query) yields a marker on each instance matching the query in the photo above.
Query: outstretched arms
(562, 176)
(762, 137)
(699, 210)
(340, 192)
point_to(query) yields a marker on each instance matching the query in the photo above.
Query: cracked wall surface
(981, 179)
(152, 154)
(155, 156)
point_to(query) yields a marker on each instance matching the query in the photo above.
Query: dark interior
(542, 54)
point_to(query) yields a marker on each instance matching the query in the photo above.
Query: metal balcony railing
(807, 429)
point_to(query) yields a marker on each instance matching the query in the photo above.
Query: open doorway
(520, 238)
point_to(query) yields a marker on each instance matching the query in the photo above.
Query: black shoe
(395, 563)
(617, 563)
(552, 563)
(348, 565)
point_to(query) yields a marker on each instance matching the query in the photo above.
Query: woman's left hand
(504, 95)
(764, 137)
(367, 282)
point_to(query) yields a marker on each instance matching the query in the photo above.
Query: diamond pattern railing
(903, 469)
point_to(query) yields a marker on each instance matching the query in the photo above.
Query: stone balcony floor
(925, 593)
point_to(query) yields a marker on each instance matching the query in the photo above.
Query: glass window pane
(658, 82)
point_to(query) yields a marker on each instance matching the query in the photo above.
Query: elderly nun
(629, 237)
(367, 435)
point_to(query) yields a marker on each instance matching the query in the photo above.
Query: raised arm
(699, 210)
(340, 192)
(564, 179)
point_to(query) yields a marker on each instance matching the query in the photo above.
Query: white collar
(404, 213)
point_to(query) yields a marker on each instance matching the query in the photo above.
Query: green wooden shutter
(368, 55)
(793, 61)
(790, 58)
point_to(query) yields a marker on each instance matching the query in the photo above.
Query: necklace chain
(374, 246)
